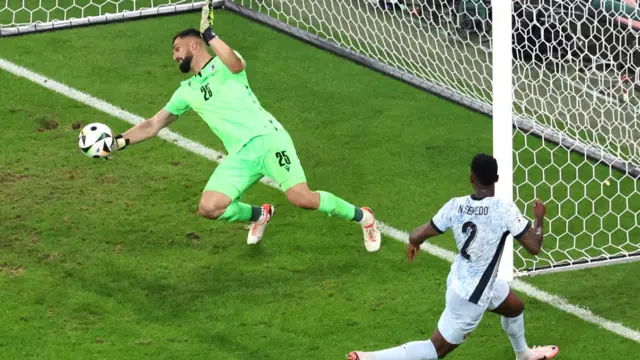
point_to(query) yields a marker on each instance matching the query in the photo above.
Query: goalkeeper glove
(119, 143)
(206, 22)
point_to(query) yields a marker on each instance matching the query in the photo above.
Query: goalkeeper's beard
(185, 64)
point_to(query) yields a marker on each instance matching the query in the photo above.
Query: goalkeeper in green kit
(256, 143)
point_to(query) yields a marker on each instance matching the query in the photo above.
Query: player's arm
(228, 57)
(438, 225)
(176, 106)
(223, 51)
(145, 129)
(531, 238)
(422, 233)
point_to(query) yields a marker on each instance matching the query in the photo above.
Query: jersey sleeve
(220, 65)
(441, 222)
(516, 223)
(177, 105)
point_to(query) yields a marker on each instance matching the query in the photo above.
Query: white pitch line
(197, 148)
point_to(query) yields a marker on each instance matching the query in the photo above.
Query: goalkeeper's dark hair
(191, 32)
(485, 168)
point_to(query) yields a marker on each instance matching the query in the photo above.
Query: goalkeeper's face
(183, 54)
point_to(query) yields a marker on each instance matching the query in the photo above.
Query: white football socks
(514, 327)
(416, 350)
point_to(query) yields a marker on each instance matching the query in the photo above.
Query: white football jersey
(480, 228)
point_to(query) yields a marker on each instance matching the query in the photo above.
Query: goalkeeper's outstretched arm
(226, 54)
(223, 51)
(145, 129)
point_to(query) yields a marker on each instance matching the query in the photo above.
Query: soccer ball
(95, 140)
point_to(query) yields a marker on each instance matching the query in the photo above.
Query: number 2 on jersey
(471, 230)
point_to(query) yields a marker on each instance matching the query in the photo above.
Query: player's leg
(216, 205)
(219, 200)
(458, 320)
(434, 348)
(301, 196)
(281, 163)
(507, 304)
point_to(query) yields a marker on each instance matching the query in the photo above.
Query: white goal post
(502, 96)
(565, 118)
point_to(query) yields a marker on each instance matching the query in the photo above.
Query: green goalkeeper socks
(329, 204)
(334, 206)
(237, 211)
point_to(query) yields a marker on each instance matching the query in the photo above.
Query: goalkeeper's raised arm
(223, 51)
(144, 130)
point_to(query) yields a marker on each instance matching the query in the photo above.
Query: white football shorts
(460, 317)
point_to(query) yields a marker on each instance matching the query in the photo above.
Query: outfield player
(480, 224)
(256, 143)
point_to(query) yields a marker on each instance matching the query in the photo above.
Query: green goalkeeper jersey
(226, 103)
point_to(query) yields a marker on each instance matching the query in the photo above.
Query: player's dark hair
(191, 32)
(485, 168)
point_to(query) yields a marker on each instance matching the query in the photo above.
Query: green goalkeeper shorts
(272, 155)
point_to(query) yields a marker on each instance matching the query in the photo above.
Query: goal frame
(502, 88)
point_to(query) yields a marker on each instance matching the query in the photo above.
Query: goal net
(575, 73)
(23, 16)
(576, 133)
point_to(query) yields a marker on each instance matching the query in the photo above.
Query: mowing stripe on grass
(195, 147)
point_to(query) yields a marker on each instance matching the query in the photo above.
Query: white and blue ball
(95, 140)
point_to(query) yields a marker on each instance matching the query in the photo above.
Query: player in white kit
(480, 224)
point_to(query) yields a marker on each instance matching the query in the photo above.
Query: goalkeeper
(256, 143)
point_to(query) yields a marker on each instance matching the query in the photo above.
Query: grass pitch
(109, 260)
